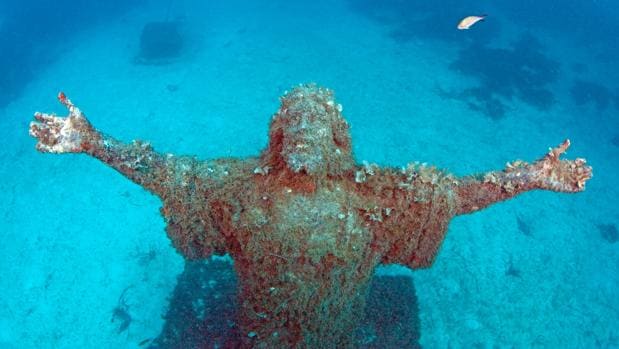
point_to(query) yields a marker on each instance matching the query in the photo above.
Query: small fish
(144, 342)
(469, 21)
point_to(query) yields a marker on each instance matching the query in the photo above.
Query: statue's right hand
(61, 134)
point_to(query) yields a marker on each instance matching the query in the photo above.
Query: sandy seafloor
(75, 233)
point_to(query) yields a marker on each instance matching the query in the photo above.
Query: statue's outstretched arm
(550, 173)
(74, 134)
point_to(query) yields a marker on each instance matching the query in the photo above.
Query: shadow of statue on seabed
(202, 310)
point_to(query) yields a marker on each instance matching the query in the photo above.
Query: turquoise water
(538, 271)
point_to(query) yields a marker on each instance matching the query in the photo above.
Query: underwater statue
(305, 225)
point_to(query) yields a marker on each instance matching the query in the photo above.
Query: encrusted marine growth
(305, 225)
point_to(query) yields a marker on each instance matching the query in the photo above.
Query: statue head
(308, 135)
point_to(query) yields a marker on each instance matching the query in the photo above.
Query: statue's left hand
(562, 175)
